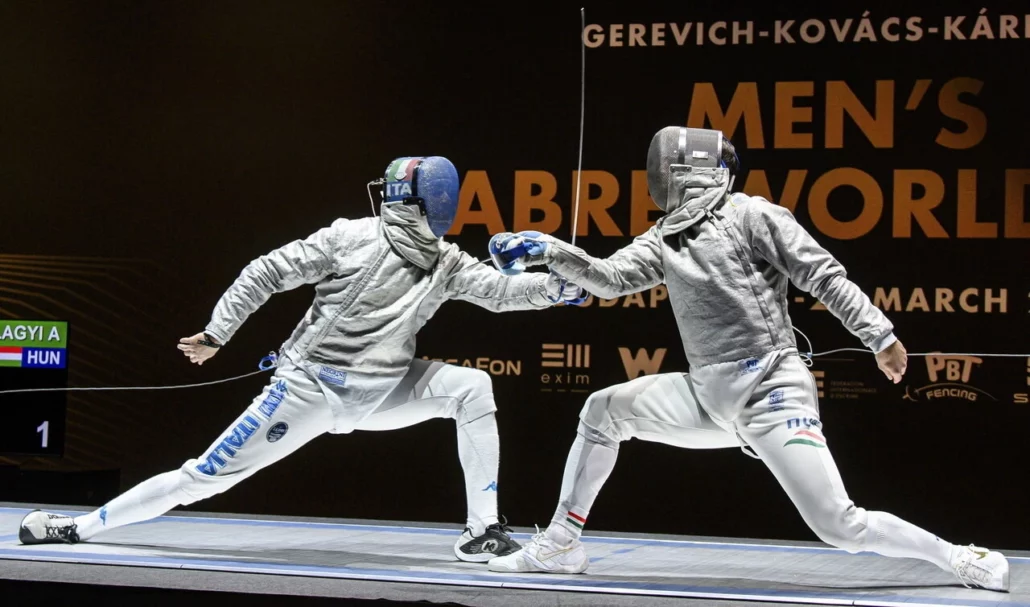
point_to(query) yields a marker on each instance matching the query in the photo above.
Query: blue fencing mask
(429, 182)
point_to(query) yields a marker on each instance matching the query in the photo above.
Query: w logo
(491, 487)
(641, 363)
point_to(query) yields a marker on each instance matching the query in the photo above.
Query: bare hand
(893, 361)
(194, 350)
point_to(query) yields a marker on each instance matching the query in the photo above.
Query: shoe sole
(577, 571)
(506, 570)
(482, 557)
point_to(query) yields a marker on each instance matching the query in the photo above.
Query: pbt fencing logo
(565, 356)
(949, 379)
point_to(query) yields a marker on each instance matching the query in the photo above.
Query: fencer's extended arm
(298, 263)
(484, 286)
(778, 238)
(633, 268)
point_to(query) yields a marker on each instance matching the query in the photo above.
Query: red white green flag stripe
(10, 356)
(575, 520)
(806, 437)
(402, 169)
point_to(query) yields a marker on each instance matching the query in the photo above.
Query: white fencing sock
(480, 454)
(890, 536)
(590, 462)
(147, 500)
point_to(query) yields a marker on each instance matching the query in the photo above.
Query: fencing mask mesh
(679, 146)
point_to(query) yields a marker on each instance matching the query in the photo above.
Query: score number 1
(44, 429)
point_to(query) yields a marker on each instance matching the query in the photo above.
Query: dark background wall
(149, 150)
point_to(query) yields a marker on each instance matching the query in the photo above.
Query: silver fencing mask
(672, 150)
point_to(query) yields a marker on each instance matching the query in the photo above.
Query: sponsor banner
(493, 366)
(859, 28)
(958, 378)
(948, 300)
(565, 367)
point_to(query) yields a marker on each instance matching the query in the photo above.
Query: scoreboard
(33, 355)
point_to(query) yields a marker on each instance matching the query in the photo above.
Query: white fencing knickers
(780, 423)
(292, 410)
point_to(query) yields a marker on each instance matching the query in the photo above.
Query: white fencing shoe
(543, 555)
(40, 527)
(981, 568)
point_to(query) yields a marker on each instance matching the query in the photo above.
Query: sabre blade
(582, 109)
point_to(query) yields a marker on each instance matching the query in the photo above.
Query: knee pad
(600, 414)
(593, 436)
(477, 400)
(478, 382)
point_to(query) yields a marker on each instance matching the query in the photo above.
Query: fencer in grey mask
(690, 173)
(727, 261)
(678, 154)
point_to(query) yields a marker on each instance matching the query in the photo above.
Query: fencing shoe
(494, 542)
(544, 555)
(40, 527)
(981, 568)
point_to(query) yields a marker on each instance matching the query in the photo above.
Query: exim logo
(556, 357)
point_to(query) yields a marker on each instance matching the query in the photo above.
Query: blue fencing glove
(512, 253)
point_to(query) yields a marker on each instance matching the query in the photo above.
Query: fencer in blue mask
(350, 363)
